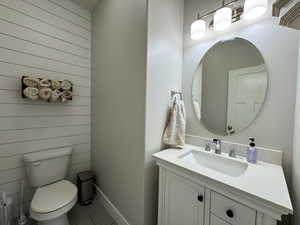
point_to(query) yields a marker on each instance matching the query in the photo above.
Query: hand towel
(174, 134)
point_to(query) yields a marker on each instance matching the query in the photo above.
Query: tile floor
(94, 214)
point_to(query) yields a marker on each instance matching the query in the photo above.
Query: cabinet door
(184, 201)
(217, 221)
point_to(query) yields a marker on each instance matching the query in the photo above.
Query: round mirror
(229, 86)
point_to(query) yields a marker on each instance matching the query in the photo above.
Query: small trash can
(85, 183)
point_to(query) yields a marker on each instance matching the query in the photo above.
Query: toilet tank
(47, 167)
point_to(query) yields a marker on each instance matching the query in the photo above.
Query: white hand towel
(174, 134)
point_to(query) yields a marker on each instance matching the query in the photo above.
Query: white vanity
(202, 188)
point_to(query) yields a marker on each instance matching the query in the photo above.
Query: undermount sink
(215, 162)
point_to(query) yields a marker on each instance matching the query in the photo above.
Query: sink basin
(215, 162)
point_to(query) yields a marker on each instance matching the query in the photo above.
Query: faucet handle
(232, 153)
(216, 141)
(207, 147)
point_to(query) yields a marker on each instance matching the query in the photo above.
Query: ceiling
(87, 4)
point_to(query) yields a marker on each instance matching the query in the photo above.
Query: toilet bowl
(51, 203)
(54, 196)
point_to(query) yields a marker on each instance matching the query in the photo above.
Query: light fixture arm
(223, 3)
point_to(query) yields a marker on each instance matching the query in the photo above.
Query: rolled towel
(44, 83)
(55, 95)
(31, 93)
(31, 82)
(55, 84)
(67, 94)
(45, 93)
(66, 85)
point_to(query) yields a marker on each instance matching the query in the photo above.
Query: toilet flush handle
(36, 163)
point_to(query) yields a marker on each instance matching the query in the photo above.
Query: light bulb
(222, 19)
(255, 8)
(198, 29)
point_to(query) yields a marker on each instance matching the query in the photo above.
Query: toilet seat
(53, 200)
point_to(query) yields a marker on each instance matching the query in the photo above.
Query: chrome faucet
(218, 146)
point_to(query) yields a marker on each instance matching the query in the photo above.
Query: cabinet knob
(200, 198)
(229, 213)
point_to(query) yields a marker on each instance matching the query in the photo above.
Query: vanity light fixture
(198, 29)
(227, 14)
(222, 19)
(255, 8)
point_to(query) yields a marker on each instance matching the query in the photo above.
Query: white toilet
(54, 196)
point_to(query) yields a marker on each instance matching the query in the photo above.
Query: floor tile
(86, 221)
(102, 218)
(94, 214)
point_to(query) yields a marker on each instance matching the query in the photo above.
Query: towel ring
(176, 92)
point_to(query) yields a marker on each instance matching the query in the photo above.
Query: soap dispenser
(252, 152)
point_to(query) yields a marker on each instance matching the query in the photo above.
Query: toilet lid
(53, 196)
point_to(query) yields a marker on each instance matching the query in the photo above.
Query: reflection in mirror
(229, 86)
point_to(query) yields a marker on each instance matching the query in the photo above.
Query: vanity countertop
(262, 180)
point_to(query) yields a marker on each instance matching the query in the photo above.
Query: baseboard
(111, 209)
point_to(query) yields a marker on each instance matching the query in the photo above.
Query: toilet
(54, 196)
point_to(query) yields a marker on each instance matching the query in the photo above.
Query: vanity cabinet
(185, 202)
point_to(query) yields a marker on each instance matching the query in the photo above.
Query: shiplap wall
(51, 39)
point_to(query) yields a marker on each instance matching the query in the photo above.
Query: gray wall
(118, 103)
(274, 126)
(123, 137)
(118, 111)
(164, 67)
(218, 61)
(38, 39)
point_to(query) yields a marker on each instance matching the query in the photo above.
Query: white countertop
(263, 180)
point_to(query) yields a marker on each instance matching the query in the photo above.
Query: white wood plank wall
(51, 39)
